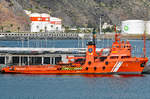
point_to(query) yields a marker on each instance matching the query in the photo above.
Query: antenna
(144, 49)
(115, 29)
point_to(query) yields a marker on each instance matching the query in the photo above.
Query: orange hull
(121, 67)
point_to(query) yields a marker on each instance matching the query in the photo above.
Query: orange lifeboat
(118, 60)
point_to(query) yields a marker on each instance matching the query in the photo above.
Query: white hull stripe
(116, 67)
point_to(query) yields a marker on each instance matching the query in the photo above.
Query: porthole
(86, 68)
(95, 68)
(89, 62)
(106, 62)
(103, 67)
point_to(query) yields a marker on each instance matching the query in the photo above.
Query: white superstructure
(133, 26)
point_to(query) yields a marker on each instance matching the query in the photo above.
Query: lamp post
(100, 25)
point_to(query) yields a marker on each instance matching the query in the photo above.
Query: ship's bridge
(121, 48)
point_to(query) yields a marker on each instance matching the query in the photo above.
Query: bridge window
(114, 57)
(79, 60)
(123, 57)
(102, 58)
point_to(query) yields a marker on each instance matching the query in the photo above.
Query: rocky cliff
(80, 13)
(12, 16)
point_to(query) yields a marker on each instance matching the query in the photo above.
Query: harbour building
(44, 22)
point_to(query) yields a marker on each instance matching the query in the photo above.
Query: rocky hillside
(13, 17)
(83, 13)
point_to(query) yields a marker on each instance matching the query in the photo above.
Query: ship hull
(113, 67)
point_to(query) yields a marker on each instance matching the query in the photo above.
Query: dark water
(18, 86)
(74, 87)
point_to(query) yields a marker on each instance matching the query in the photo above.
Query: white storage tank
(148, 27)
(133, 26)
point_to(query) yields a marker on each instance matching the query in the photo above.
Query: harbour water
(19, 86)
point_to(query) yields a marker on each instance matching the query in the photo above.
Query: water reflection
(79, 75)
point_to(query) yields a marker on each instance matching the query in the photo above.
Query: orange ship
(118, 60)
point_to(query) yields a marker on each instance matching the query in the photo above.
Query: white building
(55, 24)
(44, 23)
(105, 25)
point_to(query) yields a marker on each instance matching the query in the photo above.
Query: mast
(117, 38)
(94, 36)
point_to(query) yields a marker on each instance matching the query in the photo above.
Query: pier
(50, 35)
(62, 35)
(36, 56)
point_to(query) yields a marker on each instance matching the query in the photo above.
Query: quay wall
(58, 35)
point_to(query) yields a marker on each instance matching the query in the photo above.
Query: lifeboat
(118, 60)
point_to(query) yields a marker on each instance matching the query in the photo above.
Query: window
(123, 57)
(114, 57)
(39, 19)
(47, 19)
(102, 58)
(37, 27)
